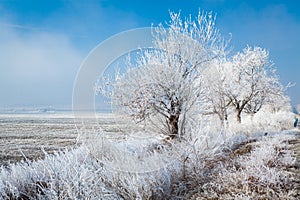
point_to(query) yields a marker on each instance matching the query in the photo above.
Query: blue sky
(43, 43)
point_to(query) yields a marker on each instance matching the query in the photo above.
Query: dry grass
(259, 170)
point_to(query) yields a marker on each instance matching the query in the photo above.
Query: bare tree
(166, 82)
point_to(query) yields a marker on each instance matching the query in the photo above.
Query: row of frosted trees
(191, 69)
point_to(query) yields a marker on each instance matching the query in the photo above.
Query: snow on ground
(26, 134)
(262, 168)
(136, 166)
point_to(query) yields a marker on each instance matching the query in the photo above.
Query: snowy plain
(23, 135)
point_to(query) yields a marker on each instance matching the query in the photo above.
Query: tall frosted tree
(166, 82)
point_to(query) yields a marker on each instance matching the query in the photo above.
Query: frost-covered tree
(279, 102)
(166, 81)
(217, 77)
(254, 81)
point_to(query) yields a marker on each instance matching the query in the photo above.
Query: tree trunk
(173, 126)
(238, 115)
(225, 120)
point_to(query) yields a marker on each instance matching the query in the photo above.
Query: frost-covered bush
(71, 174)
(262, 121)
(75, 175)
(229, 169)
(81, 174)
(133, 166)
(150, 166)
(257, 172)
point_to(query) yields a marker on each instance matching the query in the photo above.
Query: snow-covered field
(27, 134)
(137, 166)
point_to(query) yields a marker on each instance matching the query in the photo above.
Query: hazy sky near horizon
(43, 43)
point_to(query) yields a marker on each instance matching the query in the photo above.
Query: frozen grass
(263, 121)
(211, 162)
(259, 170)
(68, 174)
(75, 175)
(28, 133)
(240, 168)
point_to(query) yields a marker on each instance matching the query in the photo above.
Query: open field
(27, 135)
(30, 134)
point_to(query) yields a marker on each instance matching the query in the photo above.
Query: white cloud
(36, 67)
(40, 55)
